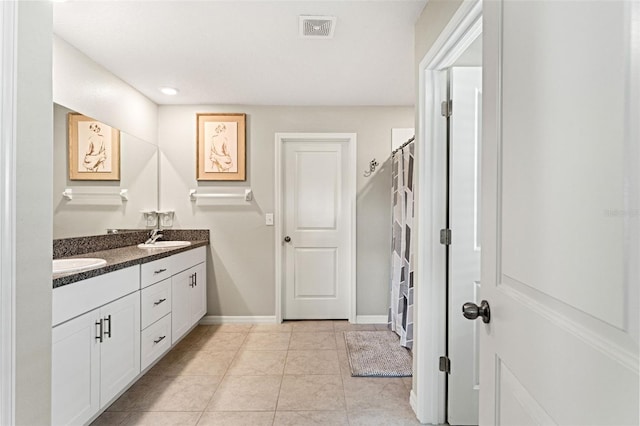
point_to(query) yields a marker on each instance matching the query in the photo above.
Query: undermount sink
(164, 244)
(77, 264)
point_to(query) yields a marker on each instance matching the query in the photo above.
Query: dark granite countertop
(122, 257)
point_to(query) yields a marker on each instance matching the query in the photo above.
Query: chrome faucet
(154, 236)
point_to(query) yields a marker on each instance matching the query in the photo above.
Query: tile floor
(296, 373)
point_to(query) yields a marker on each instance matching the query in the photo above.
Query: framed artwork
(94, 149)
(221, 147)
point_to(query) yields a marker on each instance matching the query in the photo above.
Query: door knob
(287, 239)
(472, 311)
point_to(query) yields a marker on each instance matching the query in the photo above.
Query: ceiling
(250, 52)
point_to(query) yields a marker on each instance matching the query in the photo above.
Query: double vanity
(118, 307)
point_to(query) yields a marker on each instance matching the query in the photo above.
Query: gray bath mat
(377, 354)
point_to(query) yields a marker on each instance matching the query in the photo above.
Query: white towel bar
(247, 195)
(69, 193)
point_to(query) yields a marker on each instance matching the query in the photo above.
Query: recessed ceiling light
(169, 91)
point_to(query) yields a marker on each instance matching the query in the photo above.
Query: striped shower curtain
(401, 310)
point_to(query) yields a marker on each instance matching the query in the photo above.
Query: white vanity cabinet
(110, 328)
(188, 292)
(95, 343)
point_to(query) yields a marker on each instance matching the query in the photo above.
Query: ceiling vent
(317, 26)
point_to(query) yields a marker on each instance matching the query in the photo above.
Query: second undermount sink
(164, 244)
(77, 264)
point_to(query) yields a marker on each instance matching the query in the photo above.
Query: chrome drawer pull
(160, 339)
(159, 302)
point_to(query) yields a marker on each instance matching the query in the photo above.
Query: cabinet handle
(191, 281)
(108, 332)
(195, 279)
(159, 271)
(160, 339)
(159, 302)
(99, 331)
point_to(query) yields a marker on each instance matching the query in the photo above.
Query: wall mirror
(92, 207)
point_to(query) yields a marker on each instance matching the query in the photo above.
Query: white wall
(33, 249)
(241, 264)
(82, 85)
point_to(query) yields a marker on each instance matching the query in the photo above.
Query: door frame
(428, 396)
(8, 145)
(280, 140)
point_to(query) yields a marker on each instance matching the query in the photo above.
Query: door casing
(428, 395)
(280, 140)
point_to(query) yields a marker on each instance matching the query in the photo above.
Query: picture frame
(94, 149)
(221, 147)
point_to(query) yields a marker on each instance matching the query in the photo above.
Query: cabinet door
(75, 375)
(181, 286)
(198, 297)
(120, 349)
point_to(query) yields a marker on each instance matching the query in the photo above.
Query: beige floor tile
(231, 328)
(246, 393)
(272, 328)
(313, 340)
(312, 362)
(267, 342)
(307, 326)
(110, 418)
(162, 419)
(369, 393)
(311, 393)
(258, 363)
(168, 393)
(222, 342)
(408, 382)
(343, 362)
(382, 418)
(194, 339)
(311, 418)
(201, 363)
(340, 343)
(347, 326)
(239, 418)
(167, 361)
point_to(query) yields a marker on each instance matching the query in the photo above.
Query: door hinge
(445, 364)
(445, 237)
(446, 108)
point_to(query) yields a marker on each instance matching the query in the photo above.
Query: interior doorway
(440, 325)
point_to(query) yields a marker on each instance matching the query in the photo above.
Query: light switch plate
(268, 219)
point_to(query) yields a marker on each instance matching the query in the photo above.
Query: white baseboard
(230, 319)
(371, 319)
(413, 402)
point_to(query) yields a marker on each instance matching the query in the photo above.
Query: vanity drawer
(156, 302)
(155, 271)
(154, 341)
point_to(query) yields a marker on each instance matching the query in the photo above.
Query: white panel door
(560, 213)
(464, 252)
(120, 349)
(317, 223)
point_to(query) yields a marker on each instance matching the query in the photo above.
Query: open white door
(464, 253)
(560, 213)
